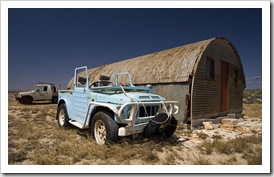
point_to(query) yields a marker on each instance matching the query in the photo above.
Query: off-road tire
(154, 124)
(62, 117)
(170, 128)
(104, 129)
(26, 100)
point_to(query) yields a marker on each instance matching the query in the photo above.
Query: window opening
(210, 69)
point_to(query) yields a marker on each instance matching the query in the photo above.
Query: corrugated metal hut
(206, 77)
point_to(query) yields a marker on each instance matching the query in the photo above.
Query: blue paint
(113, 96)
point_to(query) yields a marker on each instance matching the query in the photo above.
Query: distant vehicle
(112, 110)
(42, 92)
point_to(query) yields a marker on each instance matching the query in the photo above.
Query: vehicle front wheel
(104, 129)
(26, 100)
(62, 116)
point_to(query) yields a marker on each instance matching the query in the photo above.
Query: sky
(46, 44)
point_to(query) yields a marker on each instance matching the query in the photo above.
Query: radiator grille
(148, 110)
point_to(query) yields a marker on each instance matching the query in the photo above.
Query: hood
(122, 98)
(31, 91)
(26, 92)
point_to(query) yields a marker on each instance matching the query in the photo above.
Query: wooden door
(224, 87)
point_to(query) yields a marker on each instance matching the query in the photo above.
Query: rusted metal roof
(172, 65)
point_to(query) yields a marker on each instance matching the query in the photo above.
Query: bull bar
(169, 107)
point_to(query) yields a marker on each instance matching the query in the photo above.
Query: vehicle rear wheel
(54, 100)
(26, 100)
(62, 116)
(104, 129)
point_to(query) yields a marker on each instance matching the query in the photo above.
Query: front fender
(96, 105)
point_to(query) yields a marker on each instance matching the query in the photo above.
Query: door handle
(88, 96)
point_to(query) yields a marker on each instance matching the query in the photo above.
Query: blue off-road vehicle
(111, 110)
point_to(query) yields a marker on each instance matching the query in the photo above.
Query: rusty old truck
(111, 110)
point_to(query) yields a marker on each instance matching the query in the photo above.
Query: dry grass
(200, 160)
(252, 110)
(206, 147)
(35, 138)
(202, 135)
(248, 146)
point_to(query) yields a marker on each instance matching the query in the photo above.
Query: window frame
(211, 64)
(236, 77)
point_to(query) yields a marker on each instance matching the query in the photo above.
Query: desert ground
(34, 138)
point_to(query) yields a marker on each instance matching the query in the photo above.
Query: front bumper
(131, 130)
(169, 107)
(18, 97)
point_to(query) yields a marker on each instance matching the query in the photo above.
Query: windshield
(123, 83)
(41, 88)
(119, 89)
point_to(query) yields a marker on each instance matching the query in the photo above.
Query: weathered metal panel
(207, 93)
(172, 65)
(175, 91)
(235, 93)
(205, 96)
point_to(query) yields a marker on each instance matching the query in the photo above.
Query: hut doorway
(224, 87)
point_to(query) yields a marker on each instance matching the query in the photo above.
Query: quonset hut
(206, 77)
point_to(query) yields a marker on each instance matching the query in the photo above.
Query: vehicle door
(81, 94)
(41, 93)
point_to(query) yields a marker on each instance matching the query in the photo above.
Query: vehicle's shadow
(40, 103)
(43, 103)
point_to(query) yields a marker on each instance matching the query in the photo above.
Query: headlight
(172, 108)
(169, 108)
(126, 112)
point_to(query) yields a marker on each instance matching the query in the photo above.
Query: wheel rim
(62, 117)
(100, 132)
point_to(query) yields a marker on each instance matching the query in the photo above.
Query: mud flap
(154, 124)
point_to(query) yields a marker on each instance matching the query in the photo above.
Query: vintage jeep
(112, 110)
